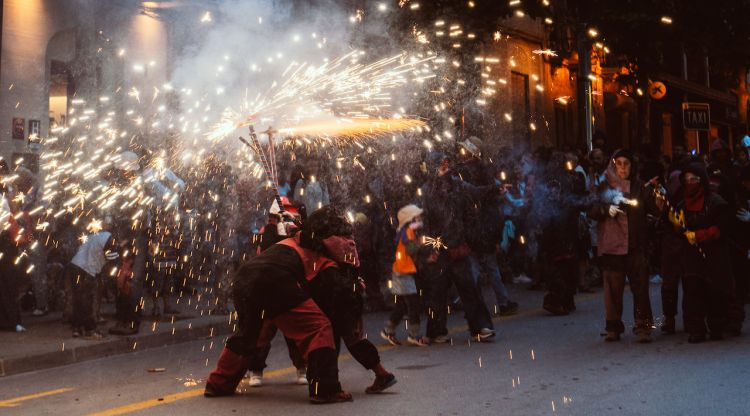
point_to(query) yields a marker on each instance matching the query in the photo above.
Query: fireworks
(339, 98)
(436, 243)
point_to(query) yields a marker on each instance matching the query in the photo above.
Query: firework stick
(674, 213)
(266, 166)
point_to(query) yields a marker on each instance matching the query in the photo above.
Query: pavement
(48, 342)
(538, 365)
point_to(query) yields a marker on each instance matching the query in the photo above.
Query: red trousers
(306, 324)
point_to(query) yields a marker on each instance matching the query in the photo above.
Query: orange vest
(403, 263)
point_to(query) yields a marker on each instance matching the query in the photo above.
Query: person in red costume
(273, 291)
(705, 254)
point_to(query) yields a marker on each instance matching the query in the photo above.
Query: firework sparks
(340, 97)
(436, 243)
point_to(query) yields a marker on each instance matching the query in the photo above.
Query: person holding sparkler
(403, 283)
(704, 218)
(621, 211)
(446, 208)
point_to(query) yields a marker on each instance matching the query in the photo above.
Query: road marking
(18, 400)
(128, 408)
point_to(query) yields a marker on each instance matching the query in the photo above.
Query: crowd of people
(420, 242)
(634, 219)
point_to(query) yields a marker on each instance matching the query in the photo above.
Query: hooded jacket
(623, 234)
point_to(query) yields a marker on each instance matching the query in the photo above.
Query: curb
(114, 346)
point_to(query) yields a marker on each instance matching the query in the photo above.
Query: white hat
(407, 214)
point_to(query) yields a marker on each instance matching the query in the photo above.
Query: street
(539, 365)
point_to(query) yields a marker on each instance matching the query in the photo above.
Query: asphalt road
(539, 365)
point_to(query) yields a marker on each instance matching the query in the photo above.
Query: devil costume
(273, 291)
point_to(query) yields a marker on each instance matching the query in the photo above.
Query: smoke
(245, 48)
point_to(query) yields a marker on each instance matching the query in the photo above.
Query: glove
(618, 199)
(281, 229)
(614, 210)
(743, 215)
(690, 235)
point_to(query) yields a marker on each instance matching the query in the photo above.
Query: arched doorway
(61, 51)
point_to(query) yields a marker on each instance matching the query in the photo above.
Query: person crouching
(271, 291)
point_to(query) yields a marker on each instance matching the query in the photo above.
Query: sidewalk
(48, 342)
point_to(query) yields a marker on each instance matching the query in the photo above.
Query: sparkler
(660, 192)
(436, 243)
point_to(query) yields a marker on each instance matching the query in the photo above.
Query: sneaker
(39, 312)
(440, 339)
(643, 337)
(391, 338)
(612, 336)
(338, 397)
(419, 342)
(77, 333)
(511, 308)
(522, 279)
(485, 334)
(381, 383)
(20, 328)
(301, 378)
(256, 379)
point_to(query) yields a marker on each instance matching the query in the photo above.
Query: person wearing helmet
(274, 290)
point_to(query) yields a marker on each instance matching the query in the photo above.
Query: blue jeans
(487, 263)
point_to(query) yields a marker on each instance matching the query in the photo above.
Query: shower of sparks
(320, 100)
(436, 243)
(545, 52)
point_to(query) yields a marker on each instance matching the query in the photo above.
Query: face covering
(342, 249)
(693, 196)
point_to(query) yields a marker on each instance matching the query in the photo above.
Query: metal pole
(584, 88)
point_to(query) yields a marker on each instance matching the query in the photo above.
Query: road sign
(657, 90)
(696, 116)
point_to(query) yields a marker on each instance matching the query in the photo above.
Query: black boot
(323, 376)
(669, 325)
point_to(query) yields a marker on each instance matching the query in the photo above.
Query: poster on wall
(35, 128)
(19, 128)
